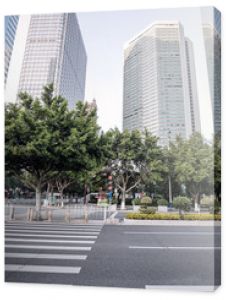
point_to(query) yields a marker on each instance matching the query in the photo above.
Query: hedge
(165, 216)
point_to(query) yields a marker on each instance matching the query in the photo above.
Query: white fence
(77, 213)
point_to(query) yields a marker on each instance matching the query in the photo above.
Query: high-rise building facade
(54, 53)
(192, 87)
(158, 95)
(11, 23)
(211, 26)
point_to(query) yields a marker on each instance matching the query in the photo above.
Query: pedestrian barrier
(76, 213)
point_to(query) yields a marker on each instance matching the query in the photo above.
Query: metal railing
(75, 213)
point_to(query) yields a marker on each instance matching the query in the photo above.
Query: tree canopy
(43, 137)
(193, 164)
(134, 157)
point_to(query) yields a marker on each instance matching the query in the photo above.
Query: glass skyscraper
(159, 90)
(211, 25)
(54, 53)
(10, 32)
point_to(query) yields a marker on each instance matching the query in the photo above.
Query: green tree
(183, 204)
(133, 158)
(193, 165)
(44, 138)
(217, 167)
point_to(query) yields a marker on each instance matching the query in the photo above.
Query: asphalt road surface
(113, 255)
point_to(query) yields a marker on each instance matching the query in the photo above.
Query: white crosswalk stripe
(55, 235)
(55, 228)
(43, 269)
(48, 241)
(46, 256)
(52, 231)
(48, 248)
(15, 246)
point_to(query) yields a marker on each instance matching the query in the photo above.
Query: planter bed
(171, 216)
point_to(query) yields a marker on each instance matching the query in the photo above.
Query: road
(113, 255)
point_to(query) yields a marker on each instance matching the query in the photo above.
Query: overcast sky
(105, 34)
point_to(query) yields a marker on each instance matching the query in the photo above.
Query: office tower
(194, 105)
(211, 25)
(159, 91)
(54, 53)
(10, 32)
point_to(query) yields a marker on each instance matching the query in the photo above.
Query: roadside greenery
(150, 210)
(183, 204)
(46, 141)
(162, 202)
(136, 201)
(173, 216)
(193, 164)
(145, 202)
(134, 159)
(49, 147)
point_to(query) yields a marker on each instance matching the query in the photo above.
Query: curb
(171, 222)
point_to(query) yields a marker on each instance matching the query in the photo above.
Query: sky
(106, 33)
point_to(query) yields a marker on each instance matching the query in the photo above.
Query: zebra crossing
(48, 248)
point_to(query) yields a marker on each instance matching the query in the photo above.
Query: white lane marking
(48, 247)
(48, 241)
(42, 269)
(171, 233)
(47, 256)
(52, 231)
(201, 288)
(57, 228)
(50, 235)
(174, 248)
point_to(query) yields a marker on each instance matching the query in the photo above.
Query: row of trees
(47, 144)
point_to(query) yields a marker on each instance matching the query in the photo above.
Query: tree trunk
(196, 200)
(61, 196)
(170, 191)
(123, 202)
(38, 193)
(181, 213)
(48, 190)
(85, 191)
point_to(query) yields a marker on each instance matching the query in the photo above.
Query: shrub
(183, 204)
(114, 200)
(145, 201)
(155, 199)
(215, 209)
(202, 217)
(156, 216)
(162, 202)
(207, 201)
(166, 216)
(136, 201)
(150, 210)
